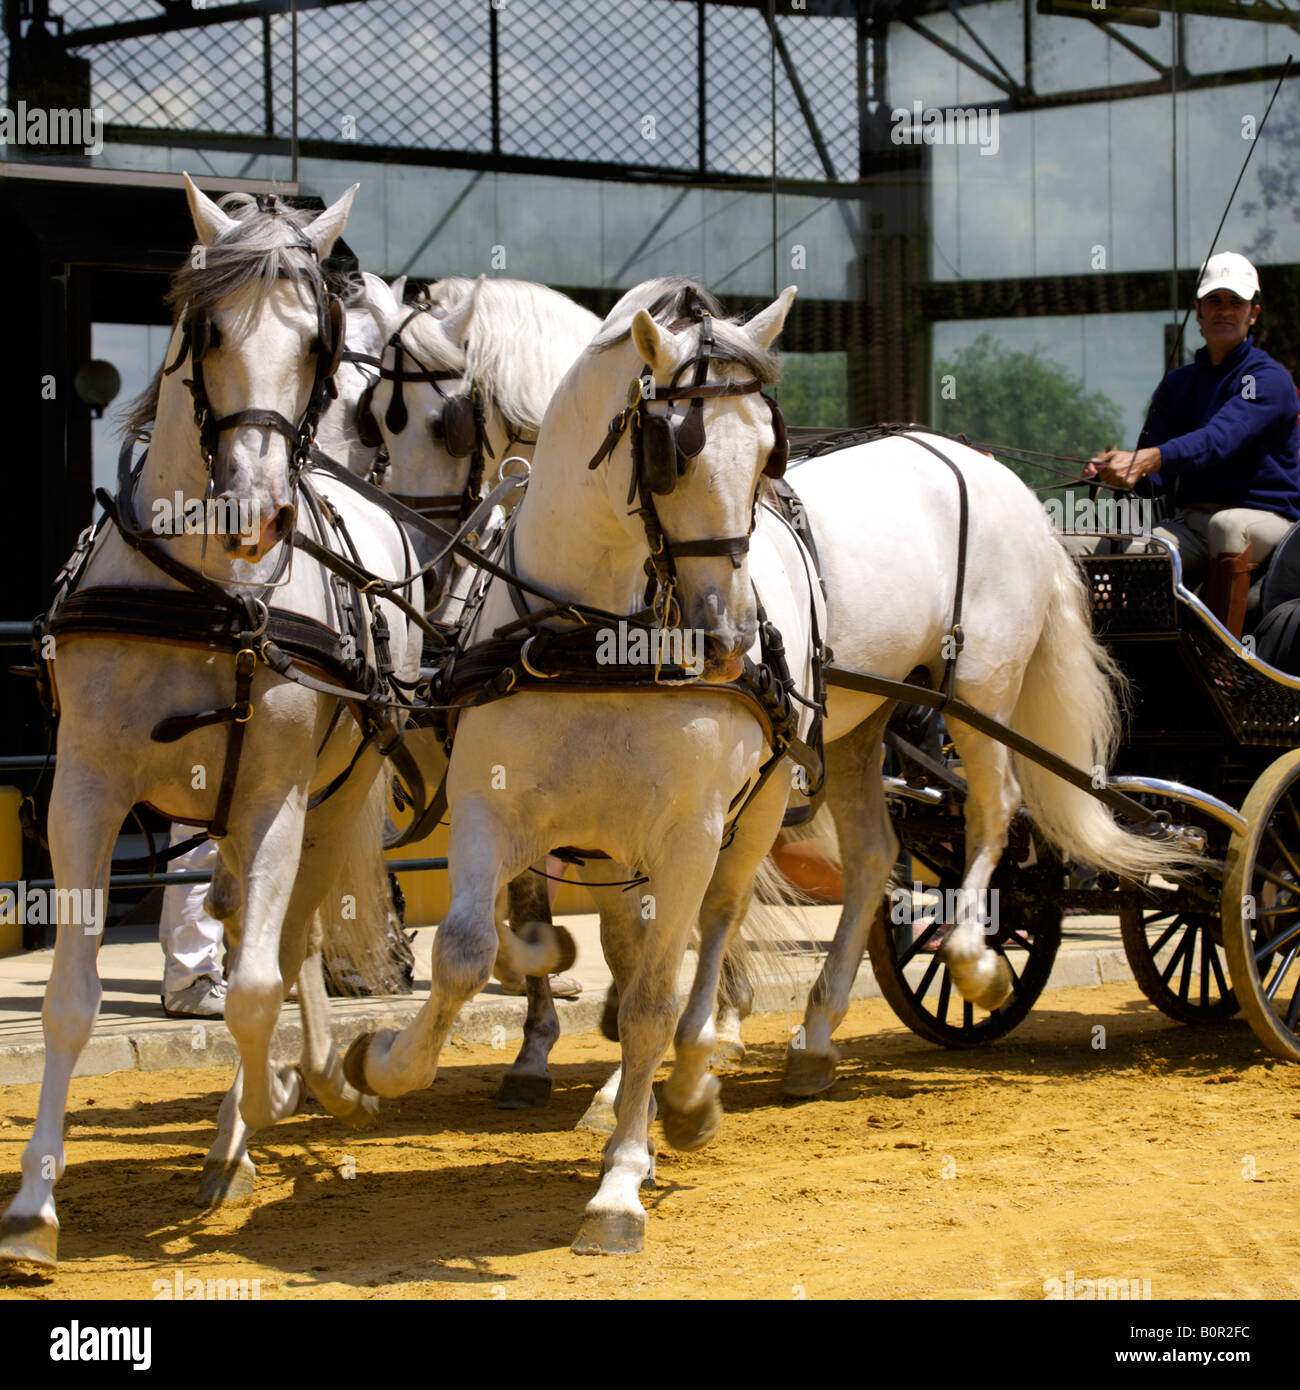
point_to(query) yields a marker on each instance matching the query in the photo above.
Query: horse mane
(247, 258)
(513, 354)
(672, 297)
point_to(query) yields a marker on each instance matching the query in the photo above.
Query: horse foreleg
(622, 932)
(464, 949)
(615, 1220)
(690, 1098)
(868, 849)
(268, 856)
(83, 826)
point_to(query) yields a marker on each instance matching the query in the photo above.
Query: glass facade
(956, 188)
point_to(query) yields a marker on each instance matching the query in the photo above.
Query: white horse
(253, 334)
(507, 344)
(370, 306)
(514, 341)
(650, 778)
(885, 520)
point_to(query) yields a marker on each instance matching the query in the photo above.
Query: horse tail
(363, 947)
(764, 949)
(1070, 702)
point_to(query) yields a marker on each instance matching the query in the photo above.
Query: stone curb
(493, 1021)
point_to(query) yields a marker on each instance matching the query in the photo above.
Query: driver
(1222, 437)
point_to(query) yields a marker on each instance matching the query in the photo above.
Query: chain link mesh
(614, 83)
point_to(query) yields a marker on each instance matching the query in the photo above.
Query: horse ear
(378, 296)
(398, 288)
(649, 339)
(766, 326)
(456, 324)
(324, 229)
(209, 221)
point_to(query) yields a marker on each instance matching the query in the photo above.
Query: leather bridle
(461, 428)
(198, 337)
(662, 450)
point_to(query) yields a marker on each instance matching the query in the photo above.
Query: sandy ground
(1167, 1156)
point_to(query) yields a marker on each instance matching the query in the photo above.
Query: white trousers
(190, 938)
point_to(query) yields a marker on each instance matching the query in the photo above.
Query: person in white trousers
(191, 939)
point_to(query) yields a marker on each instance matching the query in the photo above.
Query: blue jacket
(1228, 434)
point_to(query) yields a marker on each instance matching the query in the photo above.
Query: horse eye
(437, 428)
(214, 337)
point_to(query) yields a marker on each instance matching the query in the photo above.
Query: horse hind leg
(527, 1083)
(981, 975)
(735, 1004)
(868, 847)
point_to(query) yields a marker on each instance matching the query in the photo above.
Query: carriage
(1210, 748)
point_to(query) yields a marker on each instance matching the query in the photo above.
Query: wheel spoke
(1287, 885)
(1290, 910)
(920, 943)
(1283, 851)
(1271, 989)
(1189, 941)
(1218, 971)
(1172, 928)
(967, 1014)
(945, 994)
(1276, 943)
(935, 962)
(1207, 950)
(1294, 1009)
(1175, 959)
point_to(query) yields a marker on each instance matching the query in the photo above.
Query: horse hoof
(609, 1017)
(808, 1073)
(225, 1184)
(610, 1233)
(561, 942)
(362, 1115)
(728, 1055)
(687, 1130)
(32, 1240)
(988, 983)
(600, 1117)
(354, 1064)
(524, 1093)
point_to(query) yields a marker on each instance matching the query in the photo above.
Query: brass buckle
(528, 666)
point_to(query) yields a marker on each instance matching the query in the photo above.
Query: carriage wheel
(1261, 908)
(1178, 960)
(920, 990)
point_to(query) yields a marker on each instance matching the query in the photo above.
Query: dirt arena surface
(1168, 1156)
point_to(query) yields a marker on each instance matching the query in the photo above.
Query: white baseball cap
(1231, 272)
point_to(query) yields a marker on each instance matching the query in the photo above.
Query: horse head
(258, 337)
(422, 410)
(700, 432)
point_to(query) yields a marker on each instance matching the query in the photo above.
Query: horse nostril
(284, 519)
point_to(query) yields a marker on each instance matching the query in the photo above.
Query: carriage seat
(1273, 608)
